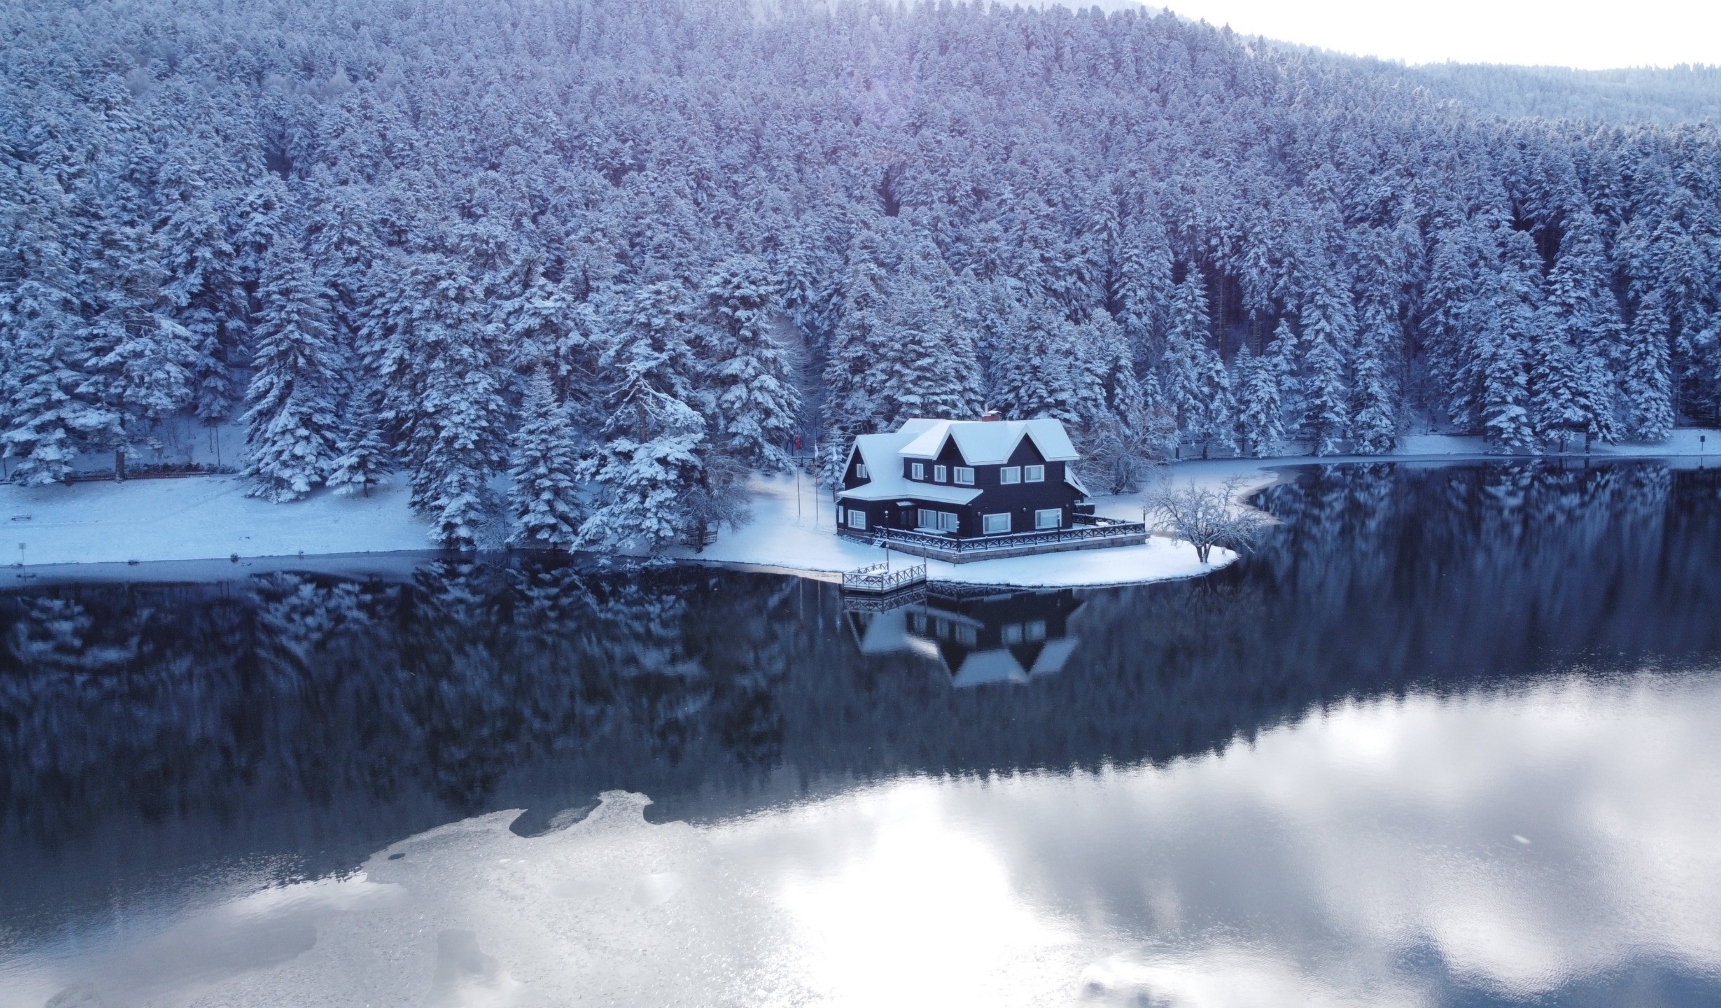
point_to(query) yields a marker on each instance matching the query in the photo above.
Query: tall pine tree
(292, 428)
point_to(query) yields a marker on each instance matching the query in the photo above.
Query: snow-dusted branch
(1206, 516)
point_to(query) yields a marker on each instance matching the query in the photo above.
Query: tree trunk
(119, 465)
(1202, 552)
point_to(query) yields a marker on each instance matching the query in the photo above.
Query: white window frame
(925, 518)
(940, 474)
(964, 476)
(1034, 630)
(1034, 474)
(860, 471)
(1055, 515)
(988, 524)
(917, 470)
(1011, 634)
(1010, 474)
(857, 519)
(948, 522)
(841, 515)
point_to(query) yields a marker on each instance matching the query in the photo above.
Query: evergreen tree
(1502, 350)
(756, 400)
(1648, 381)
(365, 460)
(41, 418)
(137, 360)
(1374, 424)
(862, 336)
(545, 499)
(1259, 422)
(1579, 331)
(652, 459)
(1187, 363)
(441, 396)
(291, 424)
(1329, 324)
(927, 365)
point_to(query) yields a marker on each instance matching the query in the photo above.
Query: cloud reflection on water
(1370, 854)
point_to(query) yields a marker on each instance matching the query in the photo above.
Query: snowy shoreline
(70, 530)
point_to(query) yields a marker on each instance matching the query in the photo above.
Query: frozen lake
(1449, 738)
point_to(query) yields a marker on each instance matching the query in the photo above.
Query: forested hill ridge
(639, 247)
(1662, 95)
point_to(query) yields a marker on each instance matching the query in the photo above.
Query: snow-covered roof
(988, 442)
(885, 481)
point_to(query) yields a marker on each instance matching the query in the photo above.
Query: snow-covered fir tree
(1328, 327)
(292, 427)
(1647, 386)
(1572, 392)
(757, 403)
(365, 460)
(441, 397)
(1502, 347)
(545, 495)
(652, 456)
(1260, 424)
(1189, 365)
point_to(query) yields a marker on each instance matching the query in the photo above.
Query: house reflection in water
(1001, 636)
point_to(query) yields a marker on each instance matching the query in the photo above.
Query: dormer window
(917, 470)
(1010, 474)
(860, 471)
(964, 476)
(940, 474)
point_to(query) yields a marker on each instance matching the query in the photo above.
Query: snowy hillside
(534, 256)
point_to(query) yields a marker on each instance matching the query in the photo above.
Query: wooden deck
(1095, 533)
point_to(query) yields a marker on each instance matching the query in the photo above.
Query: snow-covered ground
(209, 517)
(196, 518)
(803, 538)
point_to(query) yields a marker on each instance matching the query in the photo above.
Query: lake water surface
(1452, 736)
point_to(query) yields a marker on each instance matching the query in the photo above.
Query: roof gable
(987, 442)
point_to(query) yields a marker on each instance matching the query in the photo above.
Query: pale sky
(1577, 33)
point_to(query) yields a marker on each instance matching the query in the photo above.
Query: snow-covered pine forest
(615, 254)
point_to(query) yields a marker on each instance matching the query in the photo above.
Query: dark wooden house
(940, 487)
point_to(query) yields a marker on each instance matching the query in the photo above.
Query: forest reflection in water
(162, 742)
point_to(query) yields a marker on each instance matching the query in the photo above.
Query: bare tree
(1117, 457)
(1206, 516)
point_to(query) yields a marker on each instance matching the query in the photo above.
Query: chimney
(991, 416)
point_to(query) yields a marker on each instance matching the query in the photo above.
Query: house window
(1010, 474)
(994, 524)
(941, 521)
(1033, 474)
(940, 474)
(1012, 633)
(1034, 630)
(839, 514)
(857, 519)
(1050, 518)
(965, 635)
(917, 470)
(964, 476)
(860, 471)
